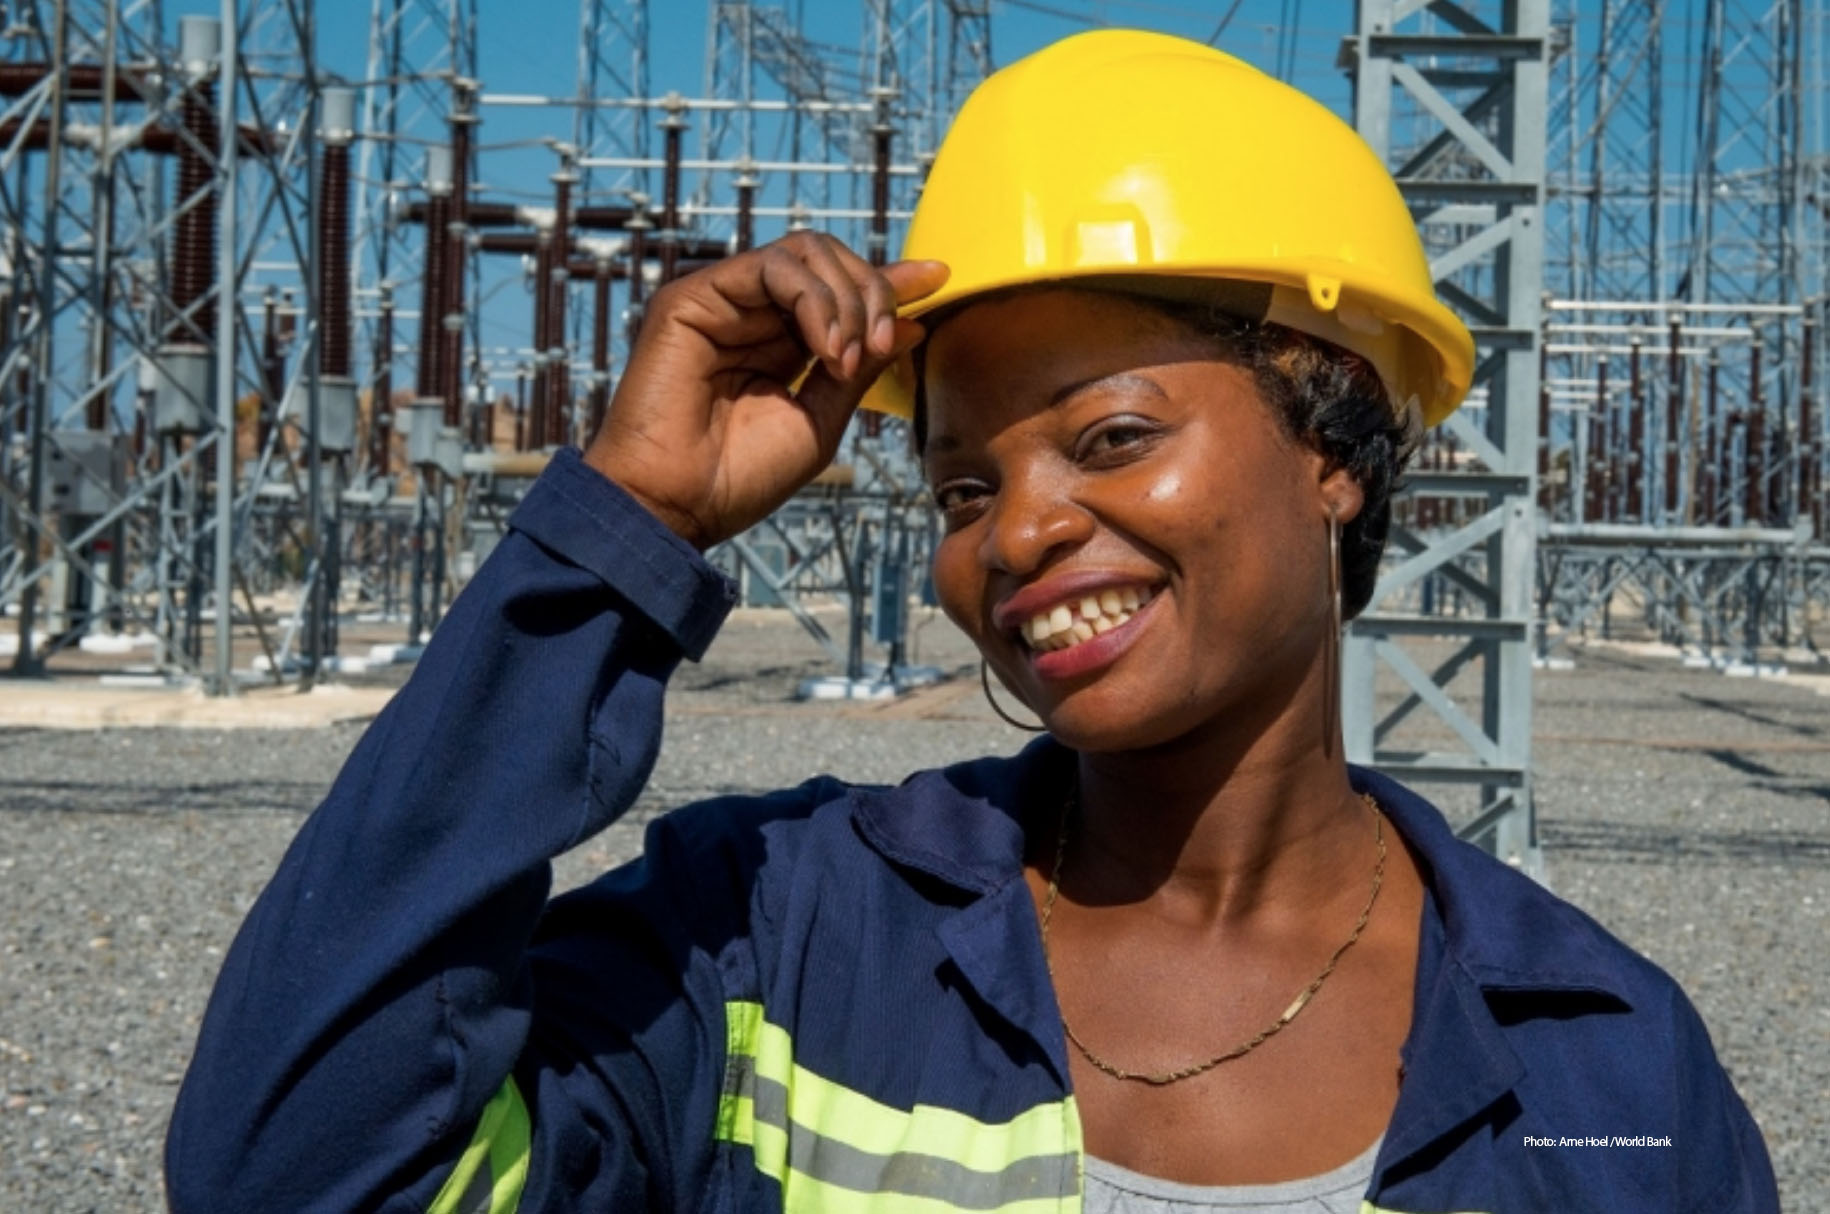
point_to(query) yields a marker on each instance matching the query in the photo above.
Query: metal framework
(1452, 95)
(246, 379)
(147, 188)
(1683, 433)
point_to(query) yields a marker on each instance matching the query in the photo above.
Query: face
(1134, 543)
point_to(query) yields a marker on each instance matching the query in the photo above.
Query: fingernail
(854, 354)
(832, 337)
(883, 334)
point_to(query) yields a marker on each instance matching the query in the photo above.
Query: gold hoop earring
(1331, 722)
(985, 682)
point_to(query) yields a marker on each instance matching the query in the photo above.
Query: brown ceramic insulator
(431, 299)
(1706, 441)
(1755, 503)
(670, 202)
(520, 412)
(638, 283)
(602, 219)
(1674, 401)
(746, 216)
(381, 402)
(880, 234)
(543, 261)
(81, 81)
(1756, 467)
(519, 244)
(453, 233)
(600, 351)
(880, 198)
(1546, 498)
(1635, 471)
(479, 214)
(33, 138)
(194, 247)
(1810, 453)
(156, 138)
(333, 261)
(273, 371)
(1591, 478)
(1601, 452)
(1732, 421)
(560, 382)
(559, 373)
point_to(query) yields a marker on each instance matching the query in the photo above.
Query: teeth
(1068, 624)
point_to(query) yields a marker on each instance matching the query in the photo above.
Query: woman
(1175, 955)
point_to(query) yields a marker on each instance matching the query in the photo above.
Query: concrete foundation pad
(90, 704)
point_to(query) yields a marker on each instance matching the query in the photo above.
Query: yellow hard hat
(1125, 153)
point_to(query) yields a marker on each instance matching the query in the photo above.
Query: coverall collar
(1486, 928)
(964, 825)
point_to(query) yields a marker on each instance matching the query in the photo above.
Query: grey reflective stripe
(739, 1076)
(907, 1173)
(478, 1194)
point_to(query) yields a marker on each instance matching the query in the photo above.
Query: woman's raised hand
(704, 429)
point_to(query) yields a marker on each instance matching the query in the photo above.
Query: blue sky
(531, 46)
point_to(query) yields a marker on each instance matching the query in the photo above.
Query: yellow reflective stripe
(736, 1107)
(492, 1171)
(832, 1146)
(1367, 1207)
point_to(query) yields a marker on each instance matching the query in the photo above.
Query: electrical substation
(253, 390)
(298, 300)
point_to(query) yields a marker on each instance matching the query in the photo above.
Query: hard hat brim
(1439, 351)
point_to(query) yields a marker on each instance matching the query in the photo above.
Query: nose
(1032, 517)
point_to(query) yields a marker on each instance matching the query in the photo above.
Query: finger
(831, 400)
(879, 299)
(790, 284)
(823, 256)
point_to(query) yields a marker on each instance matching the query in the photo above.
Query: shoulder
(1607, 1043)
(1507, 930)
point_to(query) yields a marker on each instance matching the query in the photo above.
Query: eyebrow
(944, 443)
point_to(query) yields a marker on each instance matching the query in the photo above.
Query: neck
(1222, 822)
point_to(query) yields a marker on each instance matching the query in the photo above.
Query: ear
(1341, 494)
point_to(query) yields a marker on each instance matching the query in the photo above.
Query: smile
(1079, 620)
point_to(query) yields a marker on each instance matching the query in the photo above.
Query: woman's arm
(357, 1051)
(376, 997)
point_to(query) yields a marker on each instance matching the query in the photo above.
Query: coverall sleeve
(1722, 1158)
(370, 1013)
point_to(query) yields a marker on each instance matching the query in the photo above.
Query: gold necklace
(1161, 1078)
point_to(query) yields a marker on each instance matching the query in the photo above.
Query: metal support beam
(1473, 92)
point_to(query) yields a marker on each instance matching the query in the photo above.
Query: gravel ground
(1687, 811)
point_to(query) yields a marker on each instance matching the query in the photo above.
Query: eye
(958, 499)
(1117, 436)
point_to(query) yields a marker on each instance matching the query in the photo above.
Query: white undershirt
(1111, 1189)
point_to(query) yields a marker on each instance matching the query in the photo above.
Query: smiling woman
(1175, 955)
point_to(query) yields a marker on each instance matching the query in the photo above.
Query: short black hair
(1326, 397)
